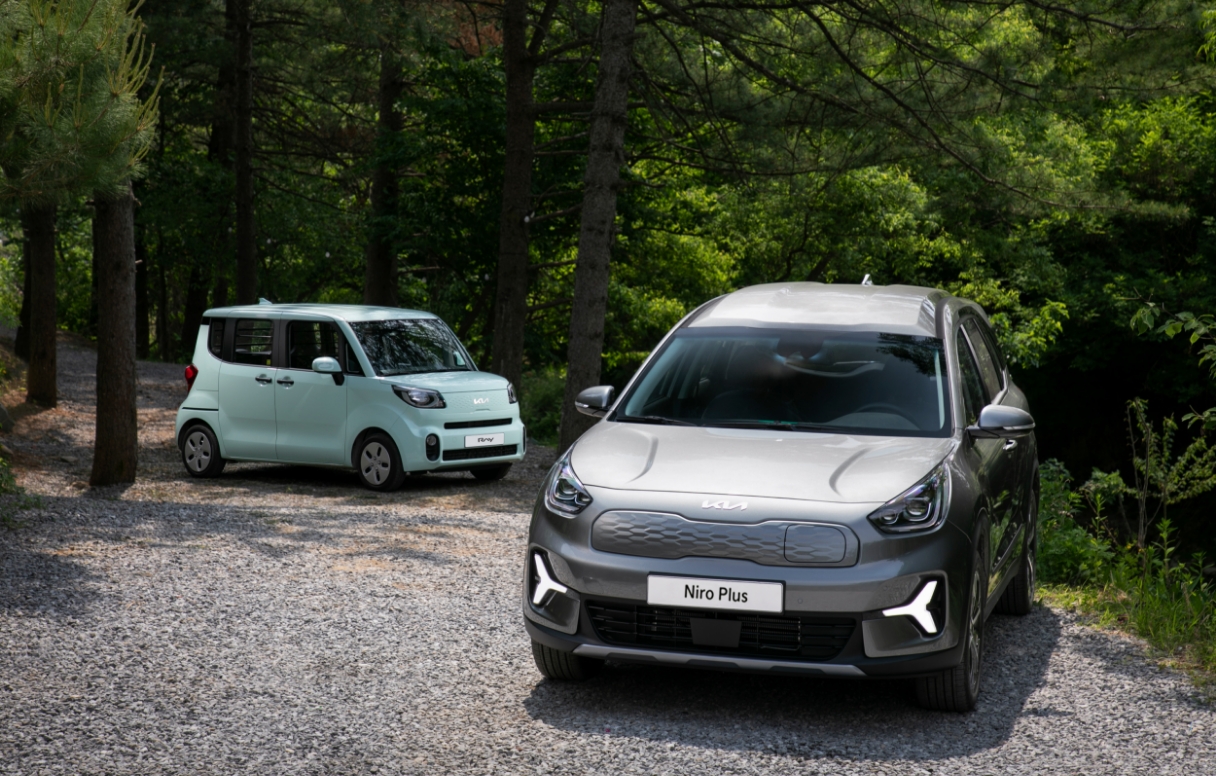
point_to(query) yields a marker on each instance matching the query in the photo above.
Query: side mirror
(328, 365)
(595, 401)
(1000, 422)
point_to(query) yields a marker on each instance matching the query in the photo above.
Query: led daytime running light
(921, 507)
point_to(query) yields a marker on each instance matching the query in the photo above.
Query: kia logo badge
(481, 401)
(707, 504)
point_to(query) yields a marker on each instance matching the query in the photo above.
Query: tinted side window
(215, 337)
(308, 340)
(990, 373)
(969, 376)
(253, 342)
(351, 362)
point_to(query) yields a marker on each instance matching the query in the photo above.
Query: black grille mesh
(809, 638)
(477, 423)
(479, 452)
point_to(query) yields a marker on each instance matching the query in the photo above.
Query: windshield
(411, 346)
(840, 382)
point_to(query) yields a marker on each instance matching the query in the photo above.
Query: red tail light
(191, 373)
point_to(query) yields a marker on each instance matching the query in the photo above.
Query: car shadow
(796, 716)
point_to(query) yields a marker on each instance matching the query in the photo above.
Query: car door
(1000, 456)
(246, 392)
(1008, 549)
(310, 407)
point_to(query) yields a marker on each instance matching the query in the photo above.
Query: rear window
(839, 382)
(253, 342)
(215, 337)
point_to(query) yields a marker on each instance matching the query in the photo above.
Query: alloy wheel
(197, 451)
(975, 625)
(376, 463)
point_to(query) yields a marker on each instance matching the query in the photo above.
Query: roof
(889, 309)
(345, 312)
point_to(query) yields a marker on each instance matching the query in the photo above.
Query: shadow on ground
(796, 716)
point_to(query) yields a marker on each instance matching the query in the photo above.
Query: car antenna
(264, 300)
(866, 280)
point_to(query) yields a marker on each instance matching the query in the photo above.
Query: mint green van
(383, 391)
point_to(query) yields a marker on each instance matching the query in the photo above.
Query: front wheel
(957, 689)
(379, 463)
(564, 666)
(201, 452)
(1018, 597)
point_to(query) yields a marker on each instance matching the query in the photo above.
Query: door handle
(1009, 444)
(287, 381)
(263, 379)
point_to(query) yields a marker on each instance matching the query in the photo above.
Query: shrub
(1068, 554)
(540, 404)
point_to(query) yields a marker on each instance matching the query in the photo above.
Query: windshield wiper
(774, 425)
(654, 419)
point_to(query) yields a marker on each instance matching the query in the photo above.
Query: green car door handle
(263, 379)
(287, 381)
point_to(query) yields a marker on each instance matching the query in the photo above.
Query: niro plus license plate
(484, 440)
(731, 594)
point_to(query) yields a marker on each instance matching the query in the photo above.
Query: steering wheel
(888, 408)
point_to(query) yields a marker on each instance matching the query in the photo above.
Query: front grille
(766, 635)
(478, 423)
(469, 454)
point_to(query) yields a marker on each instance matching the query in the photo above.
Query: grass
(1151, 593)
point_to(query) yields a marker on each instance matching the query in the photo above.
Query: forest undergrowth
(1150, 591)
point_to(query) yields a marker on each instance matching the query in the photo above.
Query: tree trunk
(141, 299)
(246, 237)
(601, 181)
(116, 444)
(196, 305)
(40, 380)
(163, 349)
(511, 299)
(22, 342)
(380, 276)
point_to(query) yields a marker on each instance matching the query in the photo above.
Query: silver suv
(802, 478)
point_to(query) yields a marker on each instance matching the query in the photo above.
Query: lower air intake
(471, 453)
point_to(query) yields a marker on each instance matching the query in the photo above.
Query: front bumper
(889, 572)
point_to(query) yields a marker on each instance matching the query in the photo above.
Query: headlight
(511, 397)
(565, 494)
(919, 508)
(420, 397)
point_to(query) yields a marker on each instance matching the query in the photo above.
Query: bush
(1068, 554)
(540, 404)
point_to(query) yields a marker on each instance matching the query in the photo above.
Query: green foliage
(1067, 554)
(540, 403)
(71, 118)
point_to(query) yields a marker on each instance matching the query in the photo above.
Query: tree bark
(141, 299)
(40, 380)
(21, 343)
(246, 234)
(605, 156)
(196, 305)
(511, 298)
(116, 441)
(380, 276)
(164, 351)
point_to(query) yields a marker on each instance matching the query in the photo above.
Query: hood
(757, 463)
(452, 382)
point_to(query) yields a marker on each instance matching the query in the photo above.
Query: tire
(1018, 598)
(201, 452)
(957, 689)
(564, 666)
(378, 463)
(491, 473)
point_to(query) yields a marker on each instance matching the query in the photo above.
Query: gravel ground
(282, 621)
